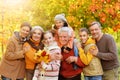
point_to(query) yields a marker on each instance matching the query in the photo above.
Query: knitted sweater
(67, 70)
(107, 52)
(51, 68)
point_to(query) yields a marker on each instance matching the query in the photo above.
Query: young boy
(93, 69)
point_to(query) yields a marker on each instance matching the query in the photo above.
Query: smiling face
(36, 35)
(59, 23)
(95, 31)
(24, 31)
(48, 38)
(83, 36)
(64, 38)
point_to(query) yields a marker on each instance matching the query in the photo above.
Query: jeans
(93, 77)
(5, 78)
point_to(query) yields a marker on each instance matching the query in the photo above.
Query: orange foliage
(117, 6)
(108, 1)
(116, 28)
(103, 17)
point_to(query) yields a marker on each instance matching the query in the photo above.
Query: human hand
(94, 51)
(44, 65)
(71, 59)
(34, 78)
(77, 43)
(40, 66)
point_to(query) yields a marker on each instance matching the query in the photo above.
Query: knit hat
(60, 17)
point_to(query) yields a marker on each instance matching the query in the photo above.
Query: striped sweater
(51, 68)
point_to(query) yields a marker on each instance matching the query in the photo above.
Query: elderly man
(71, 65)
(107, 51)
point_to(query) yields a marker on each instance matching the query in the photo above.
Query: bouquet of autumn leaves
(42, 56)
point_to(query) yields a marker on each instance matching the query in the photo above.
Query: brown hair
(95, 22)
(84, 29)
(26, 24)
(49, 31)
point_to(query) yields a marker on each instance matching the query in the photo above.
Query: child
(50, 70)
(61, 21)
(93, 69)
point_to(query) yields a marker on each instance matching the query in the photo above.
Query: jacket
(93, 64)
(12, 64)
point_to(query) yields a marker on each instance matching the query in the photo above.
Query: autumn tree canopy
(79, 13)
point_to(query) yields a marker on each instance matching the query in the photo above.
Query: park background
(79, 13)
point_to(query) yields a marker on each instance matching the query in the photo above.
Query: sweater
(67, 70)
(51, 69)
(107, 52)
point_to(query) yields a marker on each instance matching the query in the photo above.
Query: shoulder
(107, 36)
(26, 44)
(13, 39)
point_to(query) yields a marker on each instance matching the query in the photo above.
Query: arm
(53, 65)
(85, 57)
(76, 60)
(11, 54)
(30, 53)
(111, 52)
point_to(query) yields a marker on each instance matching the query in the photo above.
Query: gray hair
(96, 22)
(65, 29)
(37, 28)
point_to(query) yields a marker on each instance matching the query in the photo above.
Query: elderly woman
(34, 44)
(12, 65)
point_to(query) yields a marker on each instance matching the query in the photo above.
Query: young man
(71, 65)
(107, 51)
(12, 65)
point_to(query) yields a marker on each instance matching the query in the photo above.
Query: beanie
(60, 17)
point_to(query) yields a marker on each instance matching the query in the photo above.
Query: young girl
(93, 69)
(51, 69)
(61, 21)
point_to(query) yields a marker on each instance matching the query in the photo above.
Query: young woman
(12, 65)
(51, 69)
(93, 69)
